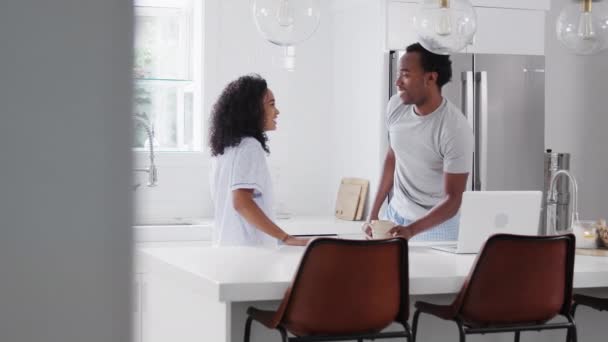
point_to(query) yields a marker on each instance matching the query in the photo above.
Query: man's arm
(386, 183)
(455, 185)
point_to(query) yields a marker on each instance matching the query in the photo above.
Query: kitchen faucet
(552, 199)
(150, 170)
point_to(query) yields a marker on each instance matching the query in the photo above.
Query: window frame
(194, 70)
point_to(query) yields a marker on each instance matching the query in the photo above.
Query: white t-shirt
(240, 167)
(425, 147)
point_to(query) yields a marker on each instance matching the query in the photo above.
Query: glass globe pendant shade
(286, 22)
(445, 26)
(582, 27)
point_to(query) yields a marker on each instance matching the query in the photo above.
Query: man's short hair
(432, 62)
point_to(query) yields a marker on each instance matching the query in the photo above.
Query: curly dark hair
(238, 113)
(432, 62)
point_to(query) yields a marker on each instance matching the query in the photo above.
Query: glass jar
(585, 233)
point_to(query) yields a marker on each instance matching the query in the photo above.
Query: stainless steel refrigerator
(503, 98)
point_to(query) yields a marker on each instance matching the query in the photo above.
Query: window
(167, 88)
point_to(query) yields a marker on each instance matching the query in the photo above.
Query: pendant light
(286, 23)
(582, 27)
(445, 26)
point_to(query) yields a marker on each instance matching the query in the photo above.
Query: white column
(65, 198)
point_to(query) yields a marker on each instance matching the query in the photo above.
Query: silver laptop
(484, 213)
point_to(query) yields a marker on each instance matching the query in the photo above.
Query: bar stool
(596, 303)
(600, 304)
(343, 290)
(517, 283)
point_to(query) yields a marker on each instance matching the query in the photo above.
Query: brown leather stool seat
(516, 284)
(343, 290)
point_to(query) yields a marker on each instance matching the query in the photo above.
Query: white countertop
(250, 274)
(319, 225)
(201, 229)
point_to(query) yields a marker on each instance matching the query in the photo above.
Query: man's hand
(367, 229)
(402, 231)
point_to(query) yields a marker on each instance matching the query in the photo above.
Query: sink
(195, 230)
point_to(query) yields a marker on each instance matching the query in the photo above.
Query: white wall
(337, 95)
(577, 116)
(300, 156)
(360, 91)
(65, 206)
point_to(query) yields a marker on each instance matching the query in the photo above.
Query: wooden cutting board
(592, 251)
(362, 197)
(348, 201)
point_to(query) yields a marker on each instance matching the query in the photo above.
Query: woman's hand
(295, 241)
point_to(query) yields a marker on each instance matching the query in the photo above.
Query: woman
(240, 181)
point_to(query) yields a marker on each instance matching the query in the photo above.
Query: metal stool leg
(247, 329)
(283, 334)
(415, 325)
(461, 333)
(572, 334)
(408, 331)
(517, 336)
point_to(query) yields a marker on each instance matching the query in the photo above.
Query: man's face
(413, 83)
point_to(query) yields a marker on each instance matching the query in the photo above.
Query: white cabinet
(509, 31)
(511, 27)
(163, 312)
(521, 4)
(137, 314)
(400, 32)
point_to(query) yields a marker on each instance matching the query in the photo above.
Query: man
(430, 153)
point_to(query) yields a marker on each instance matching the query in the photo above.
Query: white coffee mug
(380, 228)
(586, 234)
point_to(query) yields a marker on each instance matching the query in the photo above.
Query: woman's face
(270, 111)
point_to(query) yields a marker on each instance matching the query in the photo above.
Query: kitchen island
(196, 292)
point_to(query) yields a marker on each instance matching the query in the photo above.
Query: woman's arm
(243, 203)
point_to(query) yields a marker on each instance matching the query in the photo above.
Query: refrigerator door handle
(467, 96)
(468, 109)
(481, 131)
